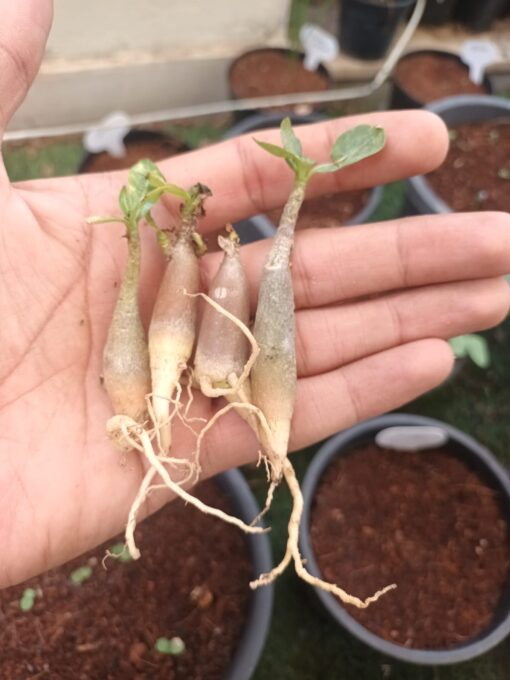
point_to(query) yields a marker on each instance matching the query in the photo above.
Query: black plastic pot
(367, 27)
(251, 644)
(400, 97)
(168, 144)
(438, 12)
(479, 15)
(260, 226)
(475, 455)
(304, 109)
(420, 197)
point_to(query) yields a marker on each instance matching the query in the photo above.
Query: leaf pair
(350, 147)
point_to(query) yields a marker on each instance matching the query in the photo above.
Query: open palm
(375, 305)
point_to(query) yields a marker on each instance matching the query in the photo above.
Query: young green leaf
(473, 346)
(173, 647)
(27, 600)
(356, 144)
(289, 140)
(277, 151)
(80, 575)
(119, 551)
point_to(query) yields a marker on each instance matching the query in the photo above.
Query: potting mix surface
(428, 77)
(331, 210)
(422, 520)
(190, 582)
(267, 72)
(476, 172)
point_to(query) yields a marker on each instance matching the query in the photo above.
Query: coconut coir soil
(191, 582)
(331, 210)
(424, 521)
(476, 172)
(427, 77)
(269, 72)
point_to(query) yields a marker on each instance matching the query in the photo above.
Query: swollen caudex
(255, 373)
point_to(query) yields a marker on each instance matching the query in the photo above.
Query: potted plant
(479, 16)
(271, 71)
(424, 76)
(476, 172)
(348, 208)
(138, 144)
(379, 509)
(176, 613)
(367, 27)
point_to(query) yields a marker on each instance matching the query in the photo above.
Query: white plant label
(109, 135)
(411, 437)
(477, 55)
(318, 44)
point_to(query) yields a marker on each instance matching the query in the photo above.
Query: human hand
(375, 305)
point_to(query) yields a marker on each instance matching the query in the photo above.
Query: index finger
(245, 180)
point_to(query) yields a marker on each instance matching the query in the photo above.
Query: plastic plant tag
(411, 437)
(109, 135)
(318, 44)
(477, 55)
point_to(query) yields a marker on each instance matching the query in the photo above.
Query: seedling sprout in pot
(435, 516)
(255, 370)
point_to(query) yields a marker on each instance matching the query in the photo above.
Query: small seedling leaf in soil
(120, 552)
(173, 647)
(473, 346)
(27, 600)
(80, 575)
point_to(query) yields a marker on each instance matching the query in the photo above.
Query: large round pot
(461, 446)
(271, 71)
(192, 583)
(444, 72)
(420, 196)
(261, 226)
(367, 27)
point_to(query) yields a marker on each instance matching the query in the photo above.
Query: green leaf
(173, 647)
(27, 599)
(80, 575)
(120, 552)
(327, 167)
(177, 191)
(124, 201)
(278, 151)
(289, 140)
(473, 346)
(356, 144)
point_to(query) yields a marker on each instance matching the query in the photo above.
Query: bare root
(292, 552)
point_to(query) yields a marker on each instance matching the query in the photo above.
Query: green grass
(42, 159)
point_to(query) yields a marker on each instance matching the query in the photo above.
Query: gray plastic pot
(475, 455)
(260, 226)
(420, 196)
(256, 627)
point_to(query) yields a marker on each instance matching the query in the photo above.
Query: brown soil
(424, 521)
(155, 149)
(270, 72)
(428, 77)
(191, 582)
(476, 172)
(331, 210)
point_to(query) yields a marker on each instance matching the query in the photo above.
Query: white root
(292, 552)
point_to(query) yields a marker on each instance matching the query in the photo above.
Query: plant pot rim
(418, 185)
(135, 135)
(256, 626)
(334, 447)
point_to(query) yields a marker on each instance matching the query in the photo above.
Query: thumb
(24, 27)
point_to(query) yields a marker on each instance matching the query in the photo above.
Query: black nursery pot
(479, 15)
(260, 226)
(367, 27)
(476, 456)
(251, 644)
(164, 146)
(400, 97)
(438, 12)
